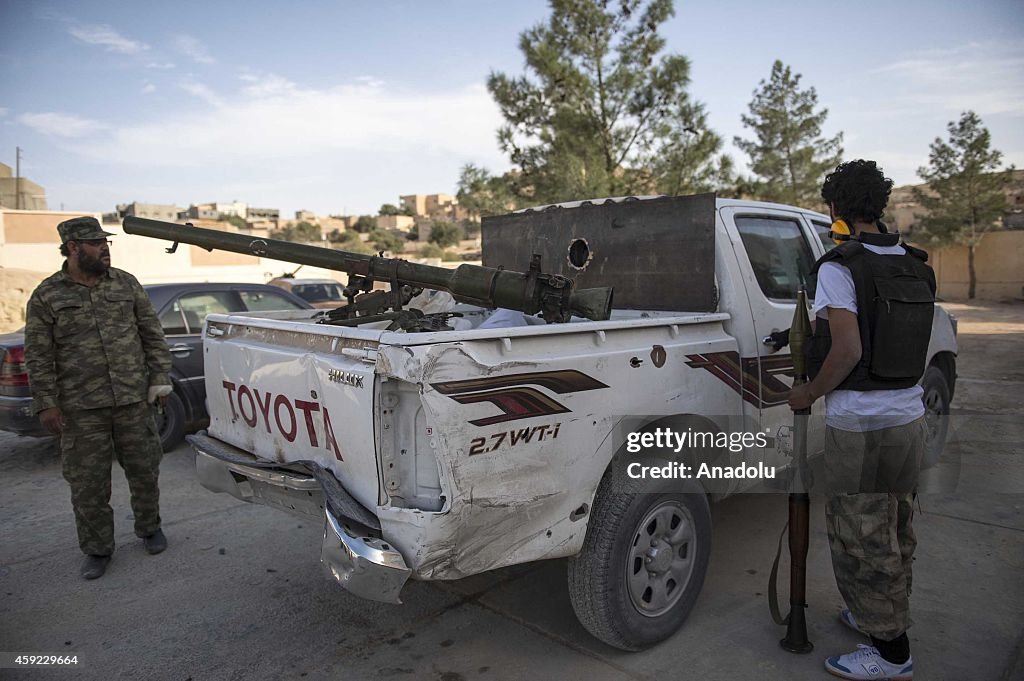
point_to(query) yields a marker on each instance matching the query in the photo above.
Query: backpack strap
(916, 252)
(847, 251)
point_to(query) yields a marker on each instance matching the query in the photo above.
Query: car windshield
(312, 292)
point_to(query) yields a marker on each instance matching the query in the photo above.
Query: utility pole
(17, 178)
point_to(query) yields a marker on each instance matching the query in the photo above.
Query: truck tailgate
(288, 394)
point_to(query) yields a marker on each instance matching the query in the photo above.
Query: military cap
(81, 229)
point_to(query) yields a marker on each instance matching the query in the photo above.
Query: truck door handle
(181, 350)
(776, 340)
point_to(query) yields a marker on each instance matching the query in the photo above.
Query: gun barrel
(486, 286)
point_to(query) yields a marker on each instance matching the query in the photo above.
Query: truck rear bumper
(369, 567)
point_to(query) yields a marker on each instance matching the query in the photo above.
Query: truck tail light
(13, 371)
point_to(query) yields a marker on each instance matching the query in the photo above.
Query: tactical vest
(895, 304)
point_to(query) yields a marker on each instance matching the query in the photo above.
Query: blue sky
(342, 106)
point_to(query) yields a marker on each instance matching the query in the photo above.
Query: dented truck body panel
(428, 417)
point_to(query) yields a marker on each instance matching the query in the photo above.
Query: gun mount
(552, 295)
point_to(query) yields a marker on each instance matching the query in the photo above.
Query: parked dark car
(182, 309)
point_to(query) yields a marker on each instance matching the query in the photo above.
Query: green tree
(358, 246)
(598, 104)
(445, 234)
(302, 231)
(432, 250)
(389, 209)
(365, 224)
(483, 194)
(964, 195)
(788, 155)
(337, 236)
(235, 220)
(386, 241)
(691, 161)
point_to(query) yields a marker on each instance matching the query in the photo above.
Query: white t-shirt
(861, 410)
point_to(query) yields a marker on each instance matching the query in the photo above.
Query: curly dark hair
(64, 250)
(858, 189)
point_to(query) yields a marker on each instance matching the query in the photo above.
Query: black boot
(156, 542)
(95, 566)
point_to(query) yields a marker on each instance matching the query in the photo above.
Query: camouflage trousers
(91, 440)
(870, 532)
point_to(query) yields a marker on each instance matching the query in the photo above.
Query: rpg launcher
(555, 297)
(796, 640)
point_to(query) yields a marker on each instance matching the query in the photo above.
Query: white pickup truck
(438, 455)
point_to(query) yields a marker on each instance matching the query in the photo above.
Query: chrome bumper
(289, 492)
(368, 567)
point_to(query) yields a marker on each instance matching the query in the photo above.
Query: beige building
(254, 214)
(20, 192)
(434, 206)
(236, 208)
(200, 211)
(395, 223)
(155, 211)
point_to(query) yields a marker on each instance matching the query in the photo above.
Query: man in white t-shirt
(873, 310)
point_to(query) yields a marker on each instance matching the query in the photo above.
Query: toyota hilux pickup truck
(436, 455)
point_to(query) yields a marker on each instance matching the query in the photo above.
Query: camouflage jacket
(91, 347)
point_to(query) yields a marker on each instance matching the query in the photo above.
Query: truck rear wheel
(643, 562)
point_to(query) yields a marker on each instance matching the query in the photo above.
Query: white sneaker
(867, 664)
(846, 617)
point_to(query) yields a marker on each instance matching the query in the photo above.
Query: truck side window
(779, 255)
(822, 229)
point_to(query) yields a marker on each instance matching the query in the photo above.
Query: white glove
(157, 391)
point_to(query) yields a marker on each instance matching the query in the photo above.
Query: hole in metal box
(579, 254)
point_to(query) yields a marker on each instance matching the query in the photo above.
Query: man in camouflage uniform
(97, 360)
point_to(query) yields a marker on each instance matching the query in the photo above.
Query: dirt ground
(991, 364)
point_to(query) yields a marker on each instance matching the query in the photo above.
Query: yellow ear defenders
(840, 232)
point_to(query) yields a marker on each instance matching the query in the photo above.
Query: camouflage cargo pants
(870, 532)
(91, 440)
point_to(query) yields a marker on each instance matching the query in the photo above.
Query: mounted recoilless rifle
(795, 640)
(555, 297)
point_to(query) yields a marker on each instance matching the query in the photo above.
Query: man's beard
(91, 264)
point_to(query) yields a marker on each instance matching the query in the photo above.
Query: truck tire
(643, 561)
(936, 414)
(171, 424)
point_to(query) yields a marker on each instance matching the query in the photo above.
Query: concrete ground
(240, 595)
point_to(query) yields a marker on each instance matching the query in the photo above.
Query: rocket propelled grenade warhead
(799, 332)
(552, 295)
